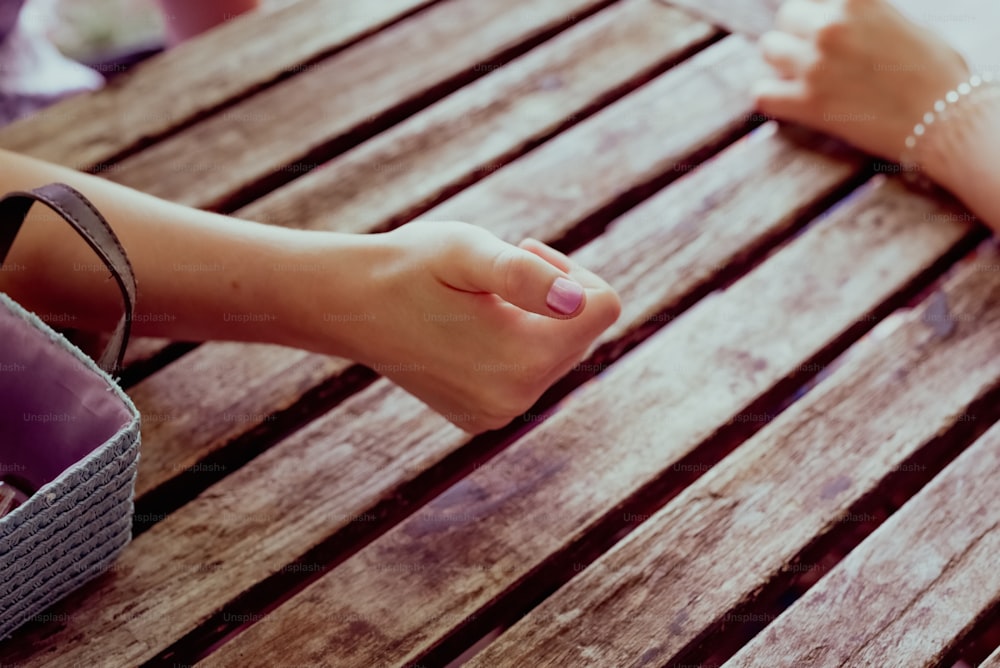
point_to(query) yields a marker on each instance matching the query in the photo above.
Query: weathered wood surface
(750, 17)
(470, 133)
(354, 471)
(188, 396)
(247, 527)
(288, 127)
(237, 58)
(642, 137)
(214, 394)
(732, 532)
(686, 235)
(353, 464)
(394, 600)
(473, 132)
(916, 586)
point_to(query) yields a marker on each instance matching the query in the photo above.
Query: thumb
(517, 276)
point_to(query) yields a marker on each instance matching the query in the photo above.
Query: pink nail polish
(565, 296)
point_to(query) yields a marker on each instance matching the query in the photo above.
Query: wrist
(324, 288)
(960, 153)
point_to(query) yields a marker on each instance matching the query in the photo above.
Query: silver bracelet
(952, 105)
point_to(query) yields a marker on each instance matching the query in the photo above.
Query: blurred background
(92, 30)
(112, 31)
(107, 31)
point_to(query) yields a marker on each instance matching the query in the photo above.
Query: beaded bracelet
(954, 102)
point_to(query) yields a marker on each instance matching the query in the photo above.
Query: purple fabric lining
(54, 411)
(15, 106)
(9, 10)
(33, 74)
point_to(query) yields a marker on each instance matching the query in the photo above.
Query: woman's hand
(857, 69)
(473, 326)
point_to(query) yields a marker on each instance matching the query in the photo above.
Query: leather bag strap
(83, 217)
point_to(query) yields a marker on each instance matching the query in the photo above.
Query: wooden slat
(717, 105)
(687, 230)
(992, 661)
(243, 529)
(916, 586)
(475, 131)
(636, 141)
(750, 17)
(397, 598)
(213, 545)
(704, 554)
(214, 394)
(196, 77)
(299, 120)
(466, 135)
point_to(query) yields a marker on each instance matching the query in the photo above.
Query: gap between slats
(155, 359)
(983, 639)
(155, 505)
(910, 282)
(721, 643)
(529, 593)
(108, 164)
(158, 503)
(270, 593)
(593, 226)
(243, 448)
(387, 118)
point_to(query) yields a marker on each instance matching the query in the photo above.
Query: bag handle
(83, 217)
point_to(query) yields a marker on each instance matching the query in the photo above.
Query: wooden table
(783, 454)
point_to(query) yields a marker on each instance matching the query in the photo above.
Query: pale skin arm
(860, 70)
(475, 327)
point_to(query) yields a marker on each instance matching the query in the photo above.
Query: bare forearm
(200, 275)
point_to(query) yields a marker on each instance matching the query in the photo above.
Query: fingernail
(565, 296)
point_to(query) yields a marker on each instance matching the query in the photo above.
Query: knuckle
(536, 364)
(501, 402)
(503, 411)
(506, 266)
(763, 98)
(831, 35)
(520, 395)
(490, 422)
(457, 237)
(484, 418)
